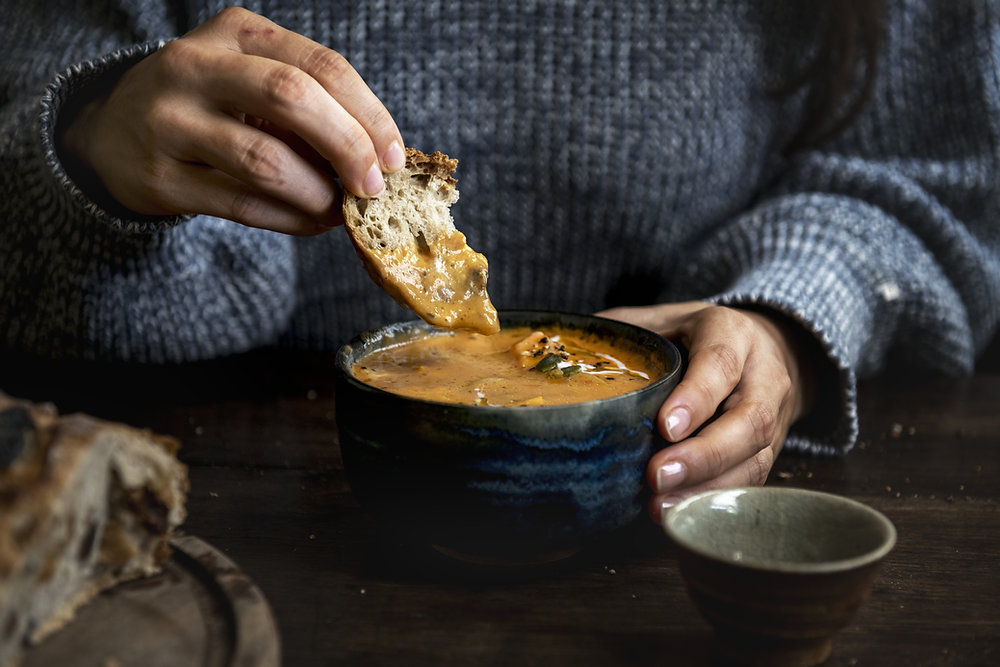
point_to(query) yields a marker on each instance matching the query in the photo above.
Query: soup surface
(519, 366)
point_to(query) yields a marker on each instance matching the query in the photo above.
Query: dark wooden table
(269, 490)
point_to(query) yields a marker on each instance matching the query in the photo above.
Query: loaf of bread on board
(84, 504)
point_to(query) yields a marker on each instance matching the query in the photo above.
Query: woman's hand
(746, 382)
(239, 119)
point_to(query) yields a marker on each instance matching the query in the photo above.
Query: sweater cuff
(834, 277)
(67, 91)
(830, 301)
(831, 428)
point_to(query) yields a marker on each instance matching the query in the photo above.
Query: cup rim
(823, 567)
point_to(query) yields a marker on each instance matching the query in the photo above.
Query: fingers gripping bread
(84, 504)
(407, 241)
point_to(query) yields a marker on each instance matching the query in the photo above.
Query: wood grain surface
(268, 489)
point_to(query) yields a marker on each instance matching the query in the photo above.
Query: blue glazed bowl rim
(345, 353)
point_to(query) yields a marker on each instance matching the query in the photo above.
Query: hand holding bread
(240, 119)
(244, 120)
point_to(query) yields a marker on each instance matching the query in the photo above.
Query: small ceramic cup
(777, 571)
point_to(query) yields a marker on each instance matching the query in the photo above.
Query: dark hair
(841, 77)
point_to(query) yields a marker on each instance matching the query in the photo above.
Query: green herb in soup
(516, 367)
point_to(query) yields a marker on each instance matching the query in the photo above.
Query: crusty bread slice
(408, 243)
(84, 504)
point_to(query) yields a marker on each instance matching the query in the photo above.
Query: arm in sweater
(87, 280)
(238, 118)
(881, 245)
(884, 243)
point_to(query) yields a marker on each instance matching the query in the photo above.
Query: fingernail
(374, 183)
(394, 158)
(669, 476)
(677, 423)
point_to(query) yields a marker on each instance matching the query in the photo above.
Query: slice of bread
(408, 243)
(84, 504)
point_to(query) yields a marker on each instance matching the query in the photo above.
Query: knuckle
(759, 467)
(287, 86)
(733, 317)
(234, 18)
(182, 61)
(233, 13)
(727, 359)
(261, 161)
(327, 64)
(378, 117)
(243, 206)
(180, 55)
(714, 460)
(762, 420)
(240, 27)
(732, 320)
(175, 50)
(356, 147)
(356, 142)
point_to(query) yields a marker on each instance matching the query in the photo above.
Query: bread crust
(436, 164)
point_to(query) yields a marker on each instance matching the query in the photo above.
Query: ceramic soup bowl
(502, 484)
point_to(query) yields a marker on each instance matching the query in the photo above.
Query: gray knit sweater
(611, 153)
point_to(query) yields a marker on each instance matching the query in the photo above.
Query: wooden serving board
(200, 611)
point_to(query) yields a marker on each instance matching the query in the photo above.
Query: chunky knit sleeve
(80, 281)
(885, 243)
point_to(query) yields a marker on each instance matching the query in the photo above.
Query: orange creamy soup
(516, 367)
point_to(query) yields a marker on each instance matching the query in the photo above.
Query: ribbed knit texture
(609, 154)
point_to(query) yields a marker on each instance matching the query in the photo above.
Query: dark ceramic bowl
(502, 484)
(777, 571)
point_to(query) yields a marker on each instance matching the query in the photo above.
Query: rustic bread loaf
(84, 504)
(408, 242)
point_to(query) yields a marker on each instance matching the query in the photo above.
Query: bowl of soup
(516, 447)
